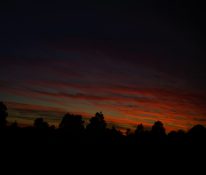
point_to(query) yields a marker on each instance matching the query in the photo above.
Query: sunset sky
(137, 63)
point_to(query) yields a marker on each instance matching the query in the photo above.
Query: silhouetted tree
(139, 130)
(97, 123)
(158, 131)
(197, 134)
(158, 128)
(140, 134)
(72, 123)
(39, 123)
(96, 129)
(3, 114)
(197, 130)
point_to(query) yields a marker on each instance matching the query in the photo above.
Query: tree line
(72, 130)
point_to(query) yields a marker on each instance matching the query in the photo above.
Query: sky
(137, 63)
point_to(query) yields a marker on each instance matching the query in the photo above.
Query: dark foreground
(37, 151)
(74, 148)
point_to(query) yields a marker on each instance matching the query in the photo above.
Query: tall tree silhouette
(158, 131)
(96, 129)
(140, 134)
(3, 114)
(72, 123)
(139, 130)
(97, 123)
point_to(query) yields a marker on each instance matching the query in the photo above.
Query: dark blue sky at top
(171, 31)
(168, 36)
